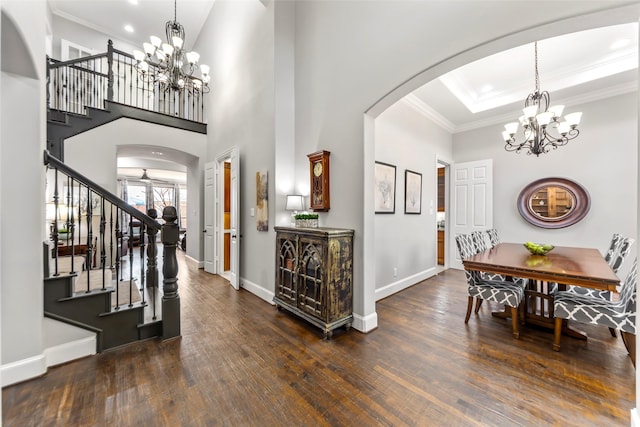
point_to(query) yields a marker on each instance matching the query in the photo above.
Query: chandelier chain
(535, 47)
(175, 10)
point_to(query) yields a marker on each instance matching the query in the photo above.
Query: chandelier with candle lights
(542, 123)
(169, 64)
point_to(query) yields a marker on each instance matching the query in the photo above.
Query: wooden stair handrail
(103, 192)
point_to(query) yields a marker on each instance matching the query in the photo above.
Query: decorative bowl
(538, 248)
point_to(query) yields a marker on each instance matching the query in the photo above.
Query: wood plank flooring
(240, 362)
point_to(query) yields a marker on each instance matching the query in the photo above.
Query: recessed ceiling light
(128, 28)
(619, 44)
(486, 88)
(157, 153)
(133, 1)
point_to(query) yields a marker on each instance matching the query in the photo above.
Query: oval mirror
(553, 202)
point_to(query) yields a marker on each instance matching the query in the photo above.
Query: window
(137, 196)
(183, 207)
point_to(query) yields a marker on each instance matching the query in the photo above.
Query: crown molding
(609, 92)
(425, 110)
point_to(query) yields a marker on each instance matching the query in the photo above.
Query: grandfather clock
(319, 200)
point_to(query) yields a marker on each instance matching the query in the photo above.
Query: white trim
(66, 44)
(422, 108)
(405, 283)
(190, 258)
(592, 96)
(635, 418)
(73, 350)
(23, 370)
(365, 324)
(257, 290)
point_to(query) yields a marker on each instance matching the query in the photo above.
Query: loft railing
(112, 76)
(90, 229)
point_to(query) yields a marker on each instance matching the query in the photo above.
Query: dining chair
(508, 293)
(619, 314)
(617, 252)
(494, 239)
(479, 240)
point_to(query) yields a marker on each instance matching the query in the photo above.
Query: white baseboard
(35, 366)
(67, 352)
(257, 290)
(365, 323)
(635, 418)
(22, 370)
(190, 258)
(394, 287)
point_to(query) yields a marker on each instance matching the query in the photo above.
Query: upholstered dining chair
(617, 252)
(619, 314)
(508, 293)
(480, 240)
(494, 239)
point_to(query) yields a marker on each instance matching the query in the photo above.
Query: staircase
(89, 278)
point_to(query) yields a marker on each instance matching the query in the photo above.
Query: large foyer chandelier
(169, 64)
(541, 123)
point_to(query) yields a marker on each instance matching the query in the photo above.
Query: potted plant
(308, 220)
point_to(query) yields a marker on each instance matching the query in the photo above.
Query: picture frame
(412, 192)
(262, 201)
(385, 188)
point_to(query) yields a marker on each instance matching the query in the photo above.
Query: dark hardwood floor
(240, 362)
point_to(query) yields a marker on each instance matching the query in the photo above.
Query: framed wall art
(385, 188)
(412, 192)
(262, 201)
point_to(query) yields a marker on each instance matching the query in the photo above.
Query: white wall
(237, 41)
(407, 139)
(21, 196)
(94, 154)
(603, 159)
(85, 37)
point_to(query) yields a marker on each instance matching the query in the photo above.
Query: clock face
(317, 169)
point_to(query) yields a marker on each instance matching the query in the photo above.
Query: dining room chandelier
(542, 123)
(169, 64)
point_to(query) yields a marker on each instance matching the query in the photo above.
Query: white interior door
(209, 218)
(471, 201)
(235, 218)
(233, 157)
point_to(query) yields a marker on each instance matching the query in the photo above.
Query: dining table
(560, 267)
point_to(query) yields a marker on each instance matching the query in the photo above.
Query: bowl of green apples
(538, 248)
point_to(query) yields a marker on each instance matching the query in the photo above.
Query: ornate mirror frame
(579, 210)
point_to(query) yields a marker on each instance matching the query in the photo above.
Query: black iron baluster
(120, 243)
(54, 230)
(88, 262)
(111, 206)
(72, 226)
(103, 252)
(131, 251)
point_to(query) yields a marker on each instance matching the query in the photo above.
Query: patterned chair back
(613, 247)
(466, 248)
(479, 240)
(493, 237)
(624, 247)
(627, 302)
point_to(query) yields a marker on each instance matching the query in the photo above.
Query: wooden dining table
(584, 267)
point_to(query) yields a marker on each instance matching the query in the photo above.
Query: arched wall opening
(569, 25)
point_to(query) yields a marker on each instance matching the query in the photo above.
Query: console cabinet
(314, 275)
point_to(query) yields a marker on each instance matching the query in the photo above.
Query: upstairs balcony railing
(74, 85)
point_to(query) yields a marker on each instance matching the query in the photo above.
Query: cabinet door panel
(286, 288)
(311, 272)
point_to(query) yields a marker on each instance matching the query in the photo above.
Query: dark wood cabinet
(441, 190)
(440, 247)
(314, 275)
